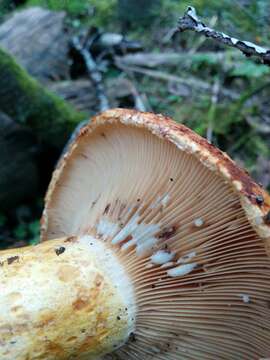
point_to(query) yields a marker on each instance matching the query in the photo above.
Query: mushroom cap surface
(190, 226)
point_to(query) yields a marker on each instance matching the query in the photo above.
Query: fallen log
(29, 103)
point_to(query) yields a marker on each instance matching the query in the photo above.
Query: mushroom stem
(63, 299)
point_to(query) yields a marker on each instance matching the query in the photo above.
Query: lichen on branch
(190, 21)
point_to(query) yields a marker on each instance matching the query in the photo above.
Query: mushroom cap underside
(190, 227)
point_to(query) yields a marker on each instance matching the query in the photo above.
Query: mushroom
(162, 252)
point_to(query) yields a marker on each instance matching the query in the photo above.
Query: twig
(202, 39)
(160, 75)
(138, 98)
(93, 72)
(190, 21)
(212, 110)
(153, 60)
(138, 101)
(82, 48)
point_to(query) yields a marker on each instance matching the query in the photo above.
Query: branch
(160, 75)
(93, 72)
(212, 110)
(190, 21)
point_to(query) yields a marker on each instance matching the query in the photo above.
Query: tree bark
(29, 103)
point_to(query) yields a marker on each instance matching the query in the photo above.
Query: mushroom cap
(191, 227)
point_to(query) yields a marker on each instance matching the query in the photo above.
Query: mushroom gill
(199, 268)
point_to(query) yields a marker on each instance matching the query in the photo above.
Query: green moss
(72, 7)
(26, 101)
(5, 7)
(101, 13)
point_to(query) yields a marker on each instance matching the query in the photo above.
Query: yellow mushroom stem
(63, 299)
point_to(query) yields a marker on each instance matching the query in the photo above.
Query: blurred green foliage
(243, 17)
(27, 231)
(246, 19)
(5, 7)
(99, 13)
(73, 7)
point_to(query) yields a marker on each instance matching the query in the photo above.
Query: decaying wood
(190, 21)
(19, 173)
(80, 93)
(153, 60)
(38, 41)
(170, 59)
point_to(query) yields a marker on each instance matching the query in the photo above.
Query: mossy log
(29, 103)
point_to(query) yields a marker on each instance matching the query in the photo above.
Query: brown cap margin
(254, 199)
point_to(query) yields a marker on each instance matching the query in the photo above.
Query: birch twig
(190, 21)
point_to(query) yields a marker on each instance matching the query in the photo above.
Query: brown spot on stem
(87, 298)
(80, 304)
(92, 342)
(17, 309)
(67, 273)
(12, 259)
(98, 280)
(55, 348)
(45, 319)
(89, 342)
(72, 338)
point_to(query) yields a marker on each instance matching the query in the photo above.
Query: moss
(5, 7)
(27, 102)
(72, 7)
(103, 12)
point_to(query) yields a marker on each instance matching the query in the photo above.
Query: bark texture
(38, 41)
